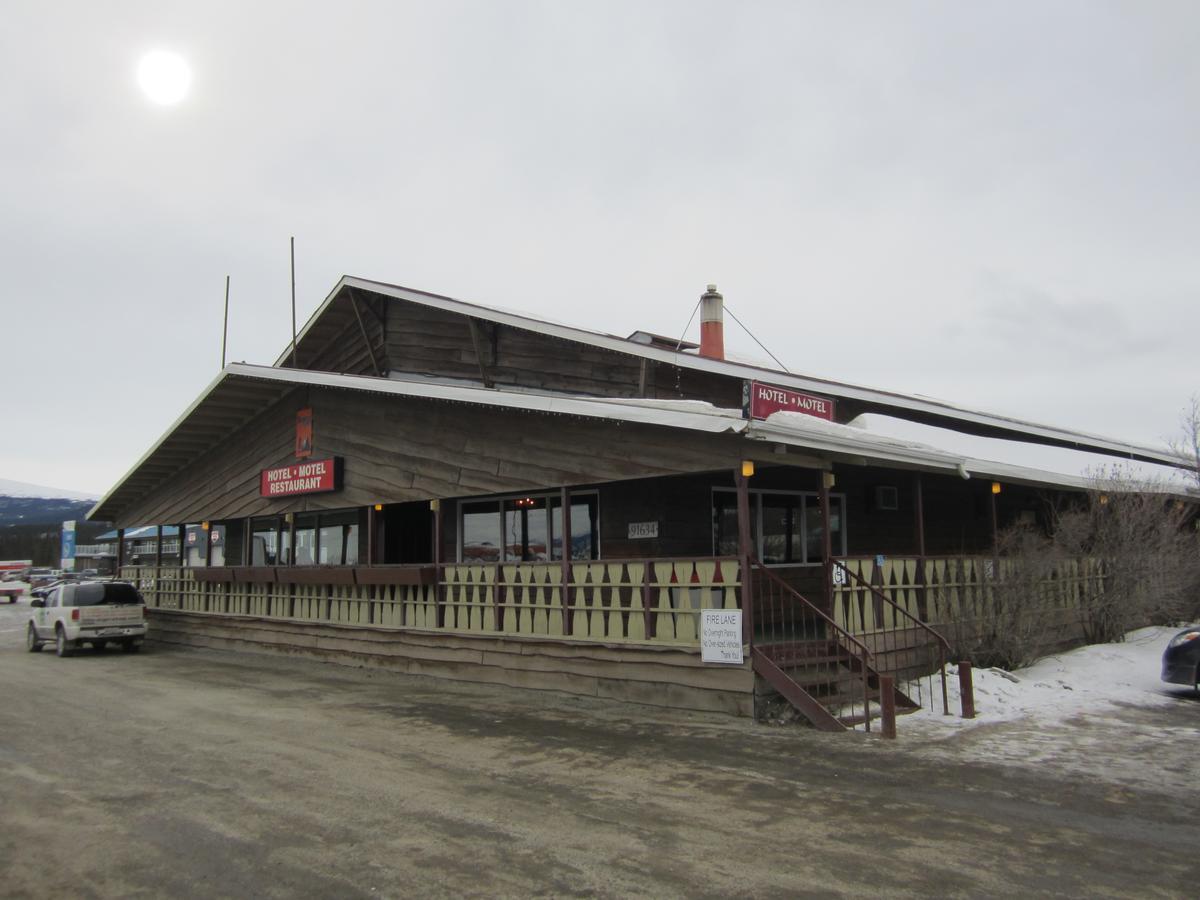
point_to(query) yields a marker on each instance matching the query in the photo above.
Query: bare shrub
(1122, 556)
(1146, 544)
(1007, 626)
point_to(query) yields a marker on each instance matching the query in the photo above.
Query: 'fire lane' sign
(311, 477)
(760, 400)
(721, 636)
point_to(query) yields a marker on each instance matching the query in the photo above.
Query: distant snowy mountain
(33, 504)
(21, 489)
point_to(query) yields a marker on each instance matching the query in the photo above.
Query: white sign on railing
(721, 636)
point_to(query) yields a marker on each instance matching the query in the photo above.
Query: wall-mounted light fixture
(378, 507)
(204, 525)
(995, 487)
(747, 468)
(828, 479)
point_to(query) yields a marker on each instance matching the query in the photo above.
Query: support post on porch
(157, 561)
(564, 500)
(919, 516)
(995, 521)
(120, 550)
(825, 483)
(372, 535)
(438, 585)
(919, 512)
(745, 549)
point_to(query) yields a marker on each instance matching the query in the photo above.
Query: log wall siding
(346, 352)
(665, 678)
(628, 620)
(430, 341)
(435, 342)
(402, 449)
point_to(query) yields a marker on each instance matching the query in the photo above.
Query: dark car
(1181, 660)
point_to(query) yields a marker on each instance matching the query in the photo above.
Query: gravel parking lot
(190, 773)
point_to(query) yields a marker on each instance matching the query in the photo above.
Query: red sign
(760, 400)
(302, 478)
(304, 434)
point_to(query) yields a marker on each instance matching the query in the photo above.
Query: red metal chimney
(712, 324)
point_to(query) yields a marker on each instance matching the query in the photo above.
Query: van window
(110, 594)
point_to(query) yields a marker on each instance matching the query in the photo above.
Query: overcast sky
(993, 204)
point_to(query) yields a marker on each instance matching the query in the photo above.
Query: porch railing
(644, 601)
(951, 590)
(815, 663)
(902, 645)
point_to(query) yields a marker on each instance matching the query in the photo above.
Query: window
(480, 532)
(527, 529)
(268, 542)
(585, 539)
(306, 539)
(785, 526)
(337, 540)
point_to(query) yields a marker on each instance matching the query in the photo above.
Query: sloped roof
(328, 320)
(242, 390)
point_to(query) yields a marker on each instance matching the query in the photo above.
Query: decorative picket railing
(946, 589)
(656, 601)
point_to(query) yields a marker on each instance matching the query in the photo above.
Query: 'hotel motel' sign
(760, 400)
(310, 477)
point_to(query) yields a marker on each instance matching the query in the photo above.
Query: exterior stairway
(819, 668)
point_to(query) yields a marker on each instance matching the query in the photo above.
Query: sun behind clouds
(164, 77)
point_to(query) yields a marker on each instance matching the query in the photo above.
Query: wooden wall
(335, 343)
(399, 449)
(668, 678)
(430, 341)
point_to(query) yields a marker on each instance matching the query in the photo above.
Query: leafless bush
(1007, 624)
(1125, 555)
(1146, 544)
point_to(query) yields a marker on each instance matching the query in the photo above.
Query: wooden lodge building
(456, 491)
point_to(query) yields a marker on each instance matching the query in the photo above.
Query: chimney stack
(712, 324)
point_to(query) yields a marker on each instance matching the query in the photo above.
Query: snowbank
(1084, 680)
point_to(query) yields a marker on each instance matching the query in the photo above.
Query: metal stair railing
(818, 666)
(883, 650)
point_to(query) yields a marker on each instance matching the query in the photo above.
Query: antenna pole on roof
(294, 366)
(225, 327)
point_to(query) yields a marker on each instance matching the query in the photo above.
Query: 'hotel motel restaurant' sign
(310, 477)
(760, 400)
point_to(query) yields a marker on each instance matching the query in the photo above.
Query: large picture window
(785, 526)
(527, 529)
(324, 538)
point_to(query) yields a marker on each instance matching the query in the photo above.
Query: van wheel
(32, 644)
(99, 645)
(131, 646)
(61, 645)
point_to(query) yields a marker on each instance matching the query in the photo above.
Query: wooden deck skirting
(656, 676)
(623, 629)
